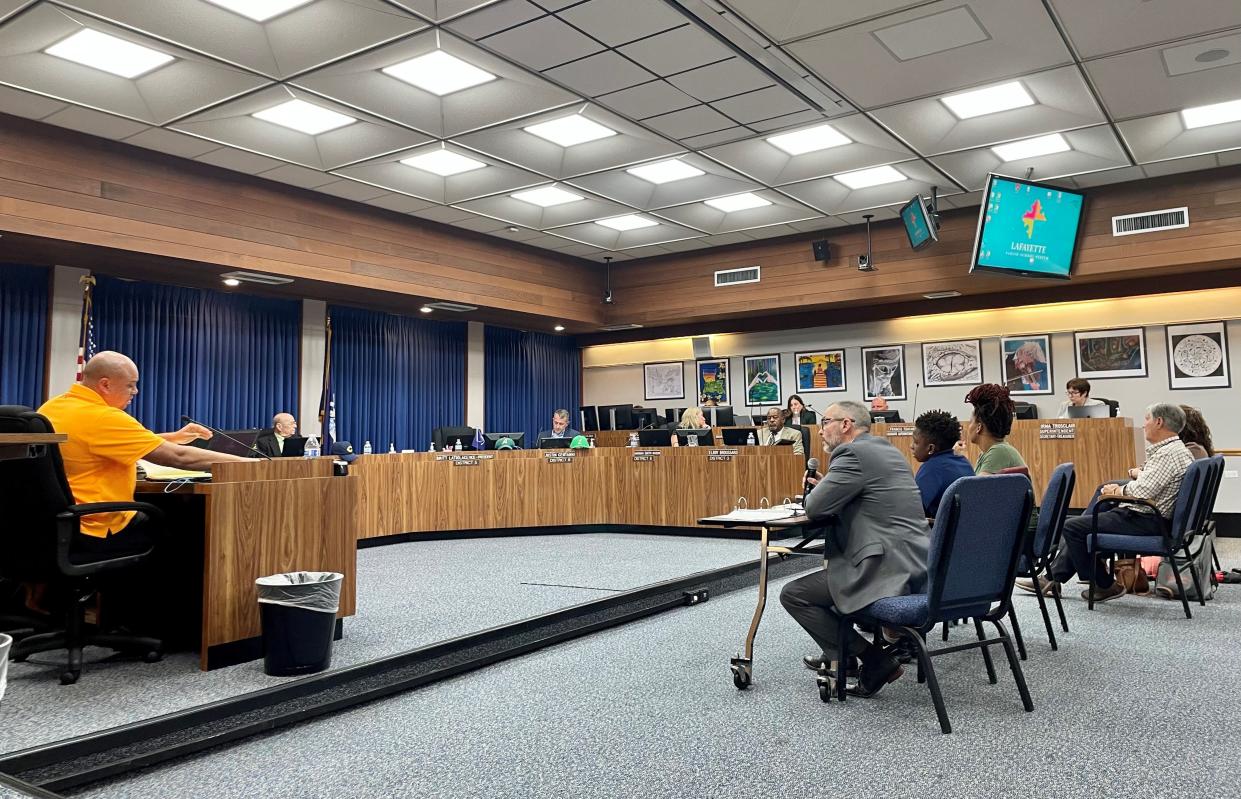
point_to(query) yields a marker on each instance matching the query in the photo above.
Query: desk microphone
(914, 417)
(812, 468)
(186, 419)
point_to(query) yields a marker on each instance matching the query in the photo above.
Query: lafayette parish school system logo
(1035, 214)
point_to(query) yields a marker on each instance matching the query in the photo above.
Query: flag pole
(327, 412)
(87, 282)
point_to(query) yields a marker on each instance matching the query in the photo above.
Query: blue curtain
(529, 375)
(395, 377)
(229, 360)
(23, 334)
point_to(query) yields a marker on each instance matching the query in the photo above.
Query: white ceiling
(706, 81)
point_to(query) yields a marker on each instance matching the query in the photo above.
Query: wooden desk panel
(21, 445)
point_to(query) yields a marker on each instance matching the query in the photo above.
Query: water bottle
(457, 447)
(366, 448)
(311, 449)
(749, 440)
(633, 439)
(691, 441)
(432, 449)
(592, 442)
(391, 448)
(676, 440)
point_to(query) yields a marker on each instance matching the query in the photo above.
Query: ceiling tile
(762, 104)
(794, 19)
(441, 10)
(606, 238)
(718, 137)
(722, 79)
(524, 214)
(1137, 84)
(10, 7)
(493, 178)
(787, 121)
(238, 160)
(1093, 149)
(1161, 137)
(833, 197)
(599, 74)
(616, 23)
(1109, 26)
(299, 176)
(647, 100)
(770, 232)
(1192, 164)
(543, 43)
(677, 50)
(442, 213)
(361, 83)
(815, 224)
(27, 104)
(496, 17)
(400, 202)
(879, 214)
(1108, 176)
(166, 141)
(95, 123)
(481, 224)
(351, 190)
(689, 122)
(1229, 158)
(621, 186)
(703, 217)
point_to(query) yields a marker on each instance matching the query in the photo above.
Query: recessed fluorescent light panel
(546, 197)
(118, 56)
(665, 171)
(439, 73)
(304, 117)
(627, 222)
(570, 130)
(259, 10)
(865, 178)
(1031, 148)
(991, 100)
(800, 142)
(737, 202)
(443, 163)
(1216, 114)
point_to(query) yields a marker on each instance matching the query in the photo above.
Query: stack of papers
(161, 473)
(759, 515)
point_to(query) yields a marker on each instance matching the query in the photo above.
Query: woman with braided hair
(990, 425)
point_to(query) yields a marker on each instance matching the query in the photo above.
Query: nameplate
(463, 459)
(646, 455)
(721, 454)
(551, 456)
(1057, 431)
(900, 432)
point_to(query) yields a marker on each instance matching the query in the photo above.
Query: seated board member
(271, 442)
(775, 432)
(1078, 392)
(104, 447)
(935, 436)
(560, 427)
(692, 418)
(797, 413)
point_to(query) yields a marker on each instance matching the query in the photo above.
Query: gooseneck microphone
(187, 420)
(812, 469)
(914, 415)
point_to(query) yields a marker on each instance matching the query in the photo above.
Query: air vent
(733, 277)
(1150, 221)
(255, 277)
(615, 328)
(455, 307)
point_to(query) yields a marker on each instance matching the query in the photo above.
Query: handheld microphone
(186, 419)
(812, 468)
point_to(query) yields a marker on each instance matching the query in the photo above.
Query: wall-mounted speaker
(821, 249)
(702, 346)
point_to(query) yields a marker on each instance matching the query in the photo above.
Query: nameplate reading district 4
(465, 460)
(640, 455)
(552, 456)
(721, 454)
(1057, 430)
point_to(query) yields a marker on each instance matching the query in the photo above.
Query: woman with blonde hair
(692, 419)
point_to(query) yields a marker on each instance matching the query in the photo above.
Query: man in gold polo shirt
(104, 446)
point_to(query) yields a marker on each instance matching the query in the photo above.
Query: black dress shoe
(818, 663)
(877, 671)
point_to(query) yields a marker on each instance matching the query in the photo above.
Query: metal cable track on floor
(76, 762)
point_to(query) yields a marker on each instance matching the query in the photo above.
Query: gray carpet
(1138, 698)
(409, 595)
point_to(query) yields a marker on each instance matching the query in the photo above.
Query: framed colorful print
(1026, 364)
(952, 363)
(712, 381)
(1198, 356)
(663, 380)
(820, 371)
(762, 380)
(1110, 353)
(883, 368)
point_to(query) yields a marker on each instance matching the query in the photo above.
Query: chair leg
(1064, 623)
(1193, 572)
(843, 634)
(928, 671)
(986, 653)
(1180, 585)
(1051, 635)
(1015, 666)
(1215, 558)
(1021, 644)
(945, 626)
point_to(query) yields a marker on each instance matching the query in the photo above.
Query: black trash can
(298, 614)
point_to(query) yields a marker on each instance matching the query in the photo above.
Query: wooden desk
(26, 445)
(427, 492)
(260, 518)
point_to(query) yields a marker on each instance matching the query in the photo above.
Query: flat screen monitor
(589, 417)
(554, 443)
(758, 418)
(646, 417)
(1089, 411)
(919, 223)
(625, 419)
(246, 437)
(1026, 228)
(673, 414)
(294, 447)
(887, 417)
(491, 439)
(704, 435)
(1025, 410)
(655, 438)
(720, 415)
(738, 436)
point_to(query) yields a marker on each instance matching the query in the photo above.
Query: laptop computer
(1089, 412)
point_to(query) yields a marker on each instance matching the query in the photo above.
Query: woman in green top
(991, 423)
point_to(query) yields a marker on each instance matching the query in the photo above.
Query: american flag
(86, 338)
(327, 399)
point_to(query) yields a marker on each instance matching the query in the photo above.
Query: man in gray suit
(876, 547)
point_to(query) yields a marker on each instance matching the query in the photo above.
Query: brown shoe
(1113, 591)
(1048, 587)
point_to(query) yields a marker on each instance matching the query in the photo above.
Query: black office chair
(449, 435)
(41, 522)
(1113, 407)
(805, 438)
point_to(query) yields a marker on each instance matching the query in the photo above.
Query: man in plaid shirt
(1158, 481)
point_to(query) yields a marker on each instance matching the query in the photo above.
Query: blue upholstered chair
(1036, 559)
(1194, 502)
(979, 534)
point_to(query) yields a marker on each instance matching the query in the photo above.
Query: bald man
(271, 442)
(105, 444)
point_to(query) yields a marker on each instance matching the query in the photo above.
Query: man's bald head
(284, 424)
(112, 376)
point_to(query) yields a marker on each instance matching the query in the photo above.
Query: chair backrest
(805, 438)
(1205, 502)
(32, 492)
(448, 436)
(1055, 507)
(975, 545)
(1023, 470)
(1113, 407)
(1191, 507)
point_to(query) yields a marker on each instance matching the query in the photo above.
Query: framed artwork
(762, 380)
(820, 371)
(712, 381)
(952, 363)
(1198, 356)
(883, 368)
(1110, 353)
(664, 380)
(1026, 364)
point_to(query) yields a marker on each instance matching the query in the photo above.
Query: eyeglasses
(835, 419)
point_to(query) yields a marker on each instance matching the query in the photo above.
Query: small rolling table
(743, 664)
